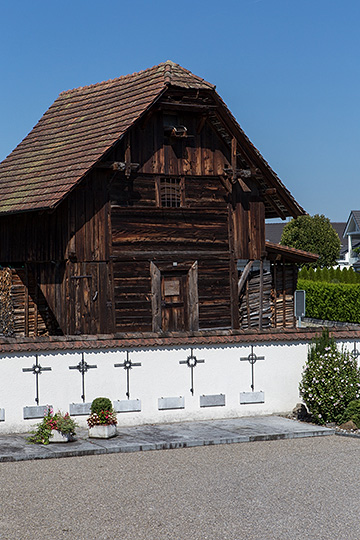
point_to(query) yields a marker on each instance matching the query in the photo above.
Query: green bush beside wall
(331, 301)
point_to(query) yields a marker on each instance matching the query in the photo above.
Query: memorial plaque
(80, 409)
(252, 397)
(215, 400)
(171, 403)
(35, 411)
(127, 405)
(2, 415)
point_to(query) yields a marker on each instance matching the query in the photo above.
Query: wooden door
(174, 296)
(90, 302)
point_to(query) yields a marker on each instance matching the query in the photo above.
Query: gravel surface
(299, 489)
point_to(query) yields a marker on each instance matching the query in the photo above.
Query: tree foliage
(314, 234)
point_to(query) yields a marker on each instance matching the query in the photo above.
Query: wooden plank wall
(54, 243)
(32, 315)
(202, 153)
(183, 235)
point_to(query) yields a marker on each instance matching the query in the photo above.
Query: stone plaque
(171, 403)
(215, 400)
(79, 409)
(252, 397)
(36, 411)
(2, 415)
(127, 405)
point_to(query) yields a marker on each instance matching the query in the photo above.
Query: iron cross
(252, 358)
(355, 353)
(127, 365)
(83, 367)
(191, 362)
(37, 369)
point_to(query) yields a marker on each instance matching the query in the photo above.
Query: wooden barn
(138, 205)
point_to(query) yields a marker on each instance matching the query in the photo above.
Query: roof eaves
(288, 199)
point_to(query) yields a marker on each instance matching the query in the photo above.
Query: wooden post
(155, 297)
(275, 296)
(26, 302)
(261, 293)
(36, 301)
(234, 294)
(193, 303)
(284, 295)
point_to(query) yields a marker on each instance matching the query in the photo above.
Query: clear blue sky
(289, 71)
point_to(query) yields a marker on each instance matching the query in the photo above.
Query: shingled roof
(80, 126)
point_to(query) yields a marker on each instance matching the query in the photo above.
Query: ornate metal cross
(128, 364)
(83, 367)
(37, 369)
(252, 358)
(355, 353)
(191, 362)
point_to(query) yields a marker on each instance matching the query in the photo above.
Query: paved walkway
(15, 447)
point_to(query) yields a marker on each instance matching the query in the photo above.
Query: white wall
(160, 375)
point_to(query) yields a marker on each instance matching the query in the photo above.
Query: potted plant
(102, 420)
(56, 427)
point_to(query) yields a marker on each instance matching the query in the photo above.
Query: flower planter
(102, 431)
(58, 437)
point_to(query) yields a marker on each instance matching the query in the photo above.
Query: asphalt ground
(292, 489)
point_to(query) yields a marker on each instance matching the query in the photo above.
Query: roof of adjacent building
(290, 254)
(82, 125)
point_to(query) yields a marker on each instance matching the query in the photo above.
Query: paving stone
(164, 436)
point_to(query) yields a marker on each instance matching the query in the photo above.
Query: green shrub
(330, 380)
(352, 412)
(100, 404)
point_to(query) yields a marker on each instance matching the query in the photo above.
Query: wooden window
(170, 192)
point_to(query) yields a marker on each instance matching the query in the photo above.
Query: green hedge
(330, 275)
(331, 301)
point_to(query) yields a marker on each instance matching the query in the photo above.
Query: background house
(352, 238)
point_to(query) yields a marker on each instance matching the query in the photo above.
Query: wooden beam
(244, 276)
(225, 182)
(233, 159)
(192, 107)
(270, 191)
(243, 186)
(275, 207)
(201, 124)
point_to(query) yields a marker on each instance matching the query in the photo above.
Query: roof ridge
(168, 66)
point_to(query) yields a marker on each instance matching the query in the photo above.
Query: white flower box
(102, 431)
(58, 437)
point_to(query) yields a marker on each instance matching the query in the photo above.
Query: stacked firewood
(250, 303)
(6, 306)
(282, 297)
